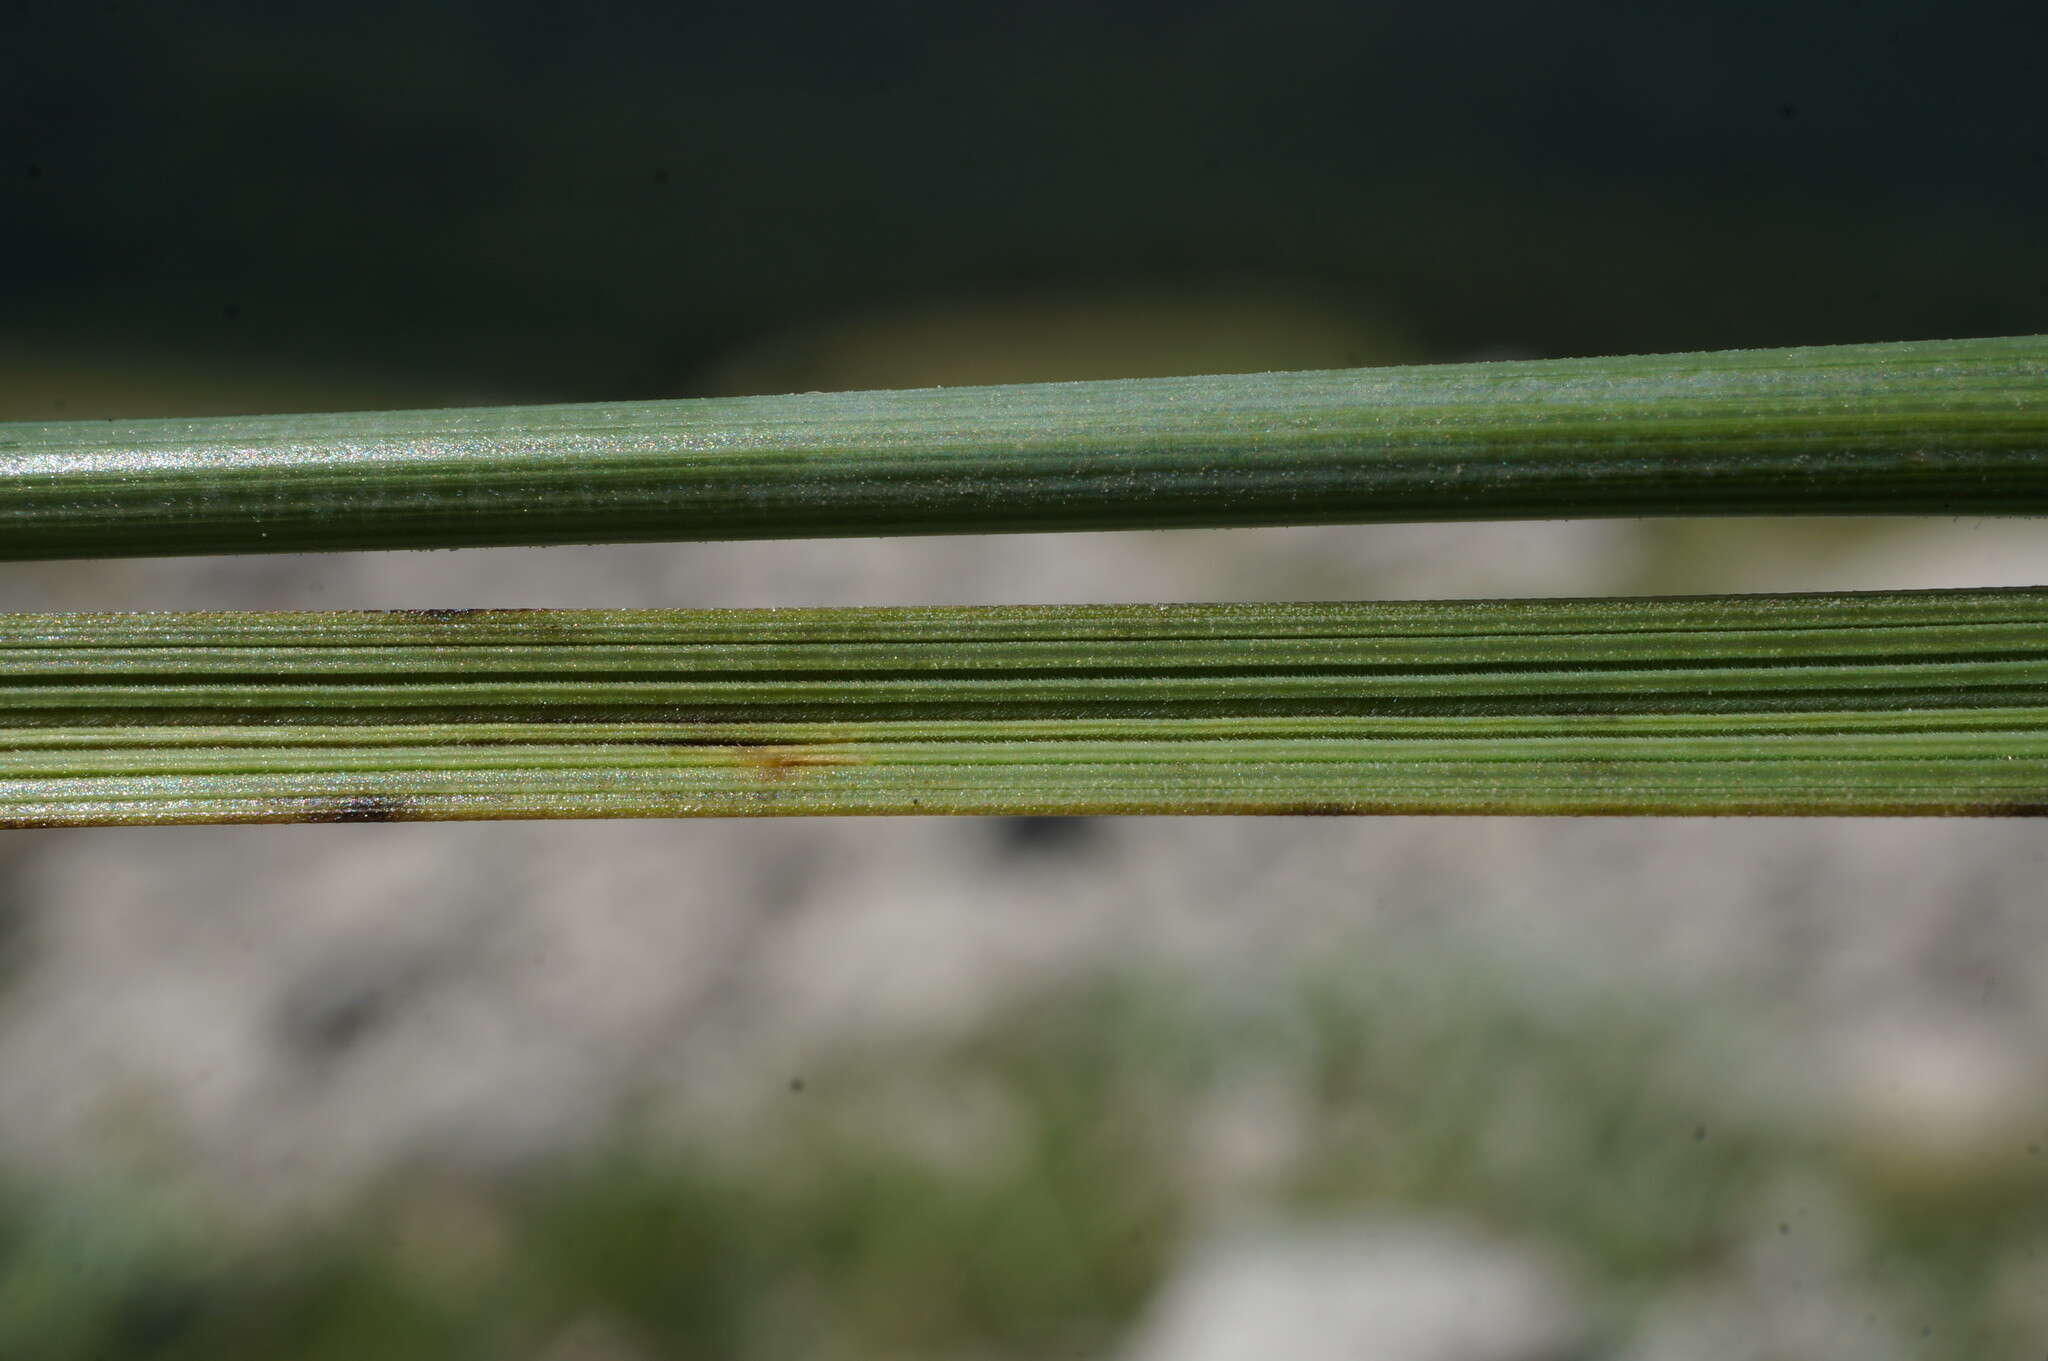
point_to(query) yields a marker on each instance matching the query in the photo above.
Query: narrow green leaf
(1921, 702)
(1939, 427)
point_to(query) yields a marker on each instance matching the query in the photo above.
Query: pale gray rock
(1397, 1290)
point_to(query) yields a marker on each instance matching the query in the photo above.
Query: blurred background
(1166, 1090)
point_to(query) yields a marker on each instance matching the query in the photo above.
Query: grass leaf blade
(1929, 702)
(1929, 427)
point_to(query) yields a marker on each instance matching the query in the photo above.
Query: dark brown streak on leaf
(708, 743)
(441, 616)
(360, 808)
(489, 626)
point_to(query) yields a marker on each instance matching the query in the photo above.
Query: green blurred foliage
(845, 1223)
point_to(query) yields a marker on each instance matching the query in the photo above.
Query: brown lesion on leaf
(481, 625)
(440, 616)
(2022, 808)
(358, 808)
(781, 762)
(514, 624)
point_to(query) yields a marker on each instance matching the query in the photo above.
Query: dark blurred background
(1150, 1089)
(608, 200)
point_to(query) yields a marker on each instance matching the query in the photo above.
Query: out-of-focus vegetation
(1020, 1192)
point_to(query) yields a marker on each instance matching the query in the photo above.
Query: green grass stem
(1921, 702)
(1923, 428)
